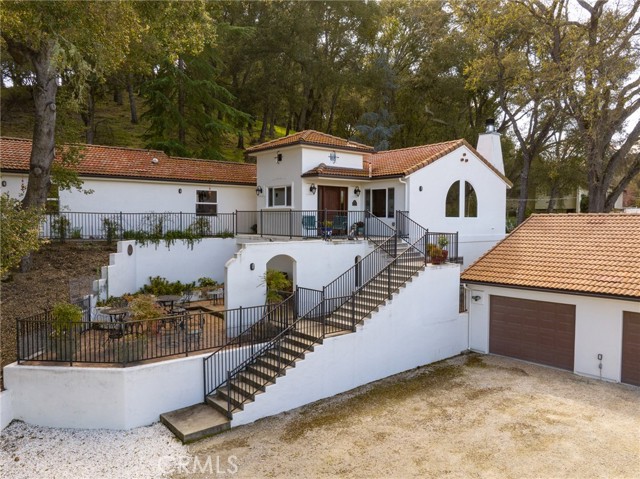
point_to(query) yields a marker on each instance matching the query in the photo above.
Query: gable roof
(398, 163)
(116, 162)
(572, 253)
(313, 138)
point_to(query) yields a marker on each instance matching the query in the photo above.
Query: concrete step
(297, 335)
(284, 355)
(220, 405)
(295, 348)
(299, 342)
(237, 398)
(254, 380)
(195, 422)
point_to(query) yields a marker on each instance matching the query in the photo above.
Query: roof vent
(490, 125)
(155, 161)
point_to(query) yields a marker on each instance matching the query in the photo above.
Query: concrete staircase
(215, 415)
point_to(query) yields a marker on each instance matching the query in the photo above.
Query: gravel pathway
(39, 452)
(470, 416)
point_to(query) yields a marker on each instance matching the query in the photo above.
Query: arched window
(470, 201)
(453, 200)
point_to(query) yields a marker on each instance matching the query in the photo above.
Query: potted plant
(435, 253)
(327, 229)
(66, 319)
(276, 282)
(442, 243)
(360, 228)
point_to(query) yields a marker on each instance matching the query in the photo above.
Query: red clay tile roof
(114, 162)
(403, 162)
(311, 137)
(336, 172)
(579, 253)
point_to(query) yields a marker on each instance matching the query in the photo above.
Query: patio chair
(339, 225)
(310, 225)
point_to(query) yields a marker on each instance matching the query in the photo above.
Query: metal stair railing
(269, 361)
(232, 352)
(274, 318)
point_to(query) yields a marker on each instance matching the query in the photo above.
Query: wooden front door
(332, 198)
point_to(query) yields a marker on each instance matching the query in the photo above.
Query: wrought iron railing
(119, 226)
(271, 358)
(250, 333)
(39, 338)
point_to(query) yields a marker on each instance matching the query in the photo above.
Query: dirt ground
(471, 416)
(24, 294)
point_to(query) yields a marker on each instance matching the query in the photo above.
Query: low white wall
(6, 409)
(179, 262)
(598, 326)
(317, 263)
(102, 398)
(419, 326)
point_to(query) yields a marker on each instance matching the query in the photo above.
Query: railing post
(235, 222)
(121, 227)
(290, 224)
(261, 224)
(395, 244)
(389, 281)
(353, 310)
(181, 229)
(322, 313)
(240, 324)
(228, 392)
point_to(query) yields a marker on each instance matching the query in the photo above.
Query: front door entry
(332, 198)
(332, 203)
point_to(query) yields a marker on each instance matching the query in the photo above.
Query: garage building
(563, 291)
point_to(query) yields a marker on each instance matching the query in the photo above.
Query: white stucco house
(562, 290)
(450, 186)
(365, 307)
(133, 180)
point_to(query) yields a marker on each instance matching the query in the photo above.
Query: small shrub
(144, 307)
(207, 283)
(276, 282)
(160, 286)
(200, 227)
(76, 233)
(224, 234)
(110, 227)
(60, 228)
(64, 316)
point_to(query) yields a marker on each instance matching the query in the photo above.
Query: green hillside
(113, 125)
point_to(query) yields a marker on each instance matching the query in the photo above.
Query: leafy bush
(161, 286)
(276, 282)
(207, 283)
(110, 227)
(60, 228)
(144, 307)
(20, 232)
(64, 315)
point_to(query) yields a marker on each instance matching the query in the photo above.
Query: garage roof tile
(580, 253)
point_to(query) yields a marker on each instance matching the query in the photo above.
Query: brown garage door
(535, 331)
(631, 348)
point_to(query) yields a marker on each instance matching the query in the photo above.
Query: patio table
(168, 300)
(116, 314)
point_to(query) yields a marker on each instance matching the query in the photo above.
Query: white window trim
(368, 194)
(287, 198)
(206, 203)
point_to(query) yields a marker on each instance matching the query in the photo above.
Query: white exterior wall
(103, 398)
(427, 207)
(598, 326)
(313, 156)
(419, 326)
(317, 263)
(135, 196)
(127, 274)
(270, 174)
(6, 409)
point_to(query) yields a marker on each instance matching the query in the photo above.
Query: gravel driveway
(471, 416)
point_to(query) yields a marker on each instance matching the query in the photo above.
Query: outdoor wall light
(420, 188)
(476, 298)
(279, 158)
(333, 156)
(356, 191)
(258, 190)
(4, 183)
(313, 189)
(252, 266)
(180, 190)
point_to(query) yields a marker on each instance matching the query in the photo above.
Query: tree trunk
(240, 144)
(132, 100)
(43, 145)
(272, 126)
(302, 119)
(552, 198)
(524, 188)
(334, 102)
(117, 94)
(182, 134)
(289, 121)
(265, 120)
(89, 117)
